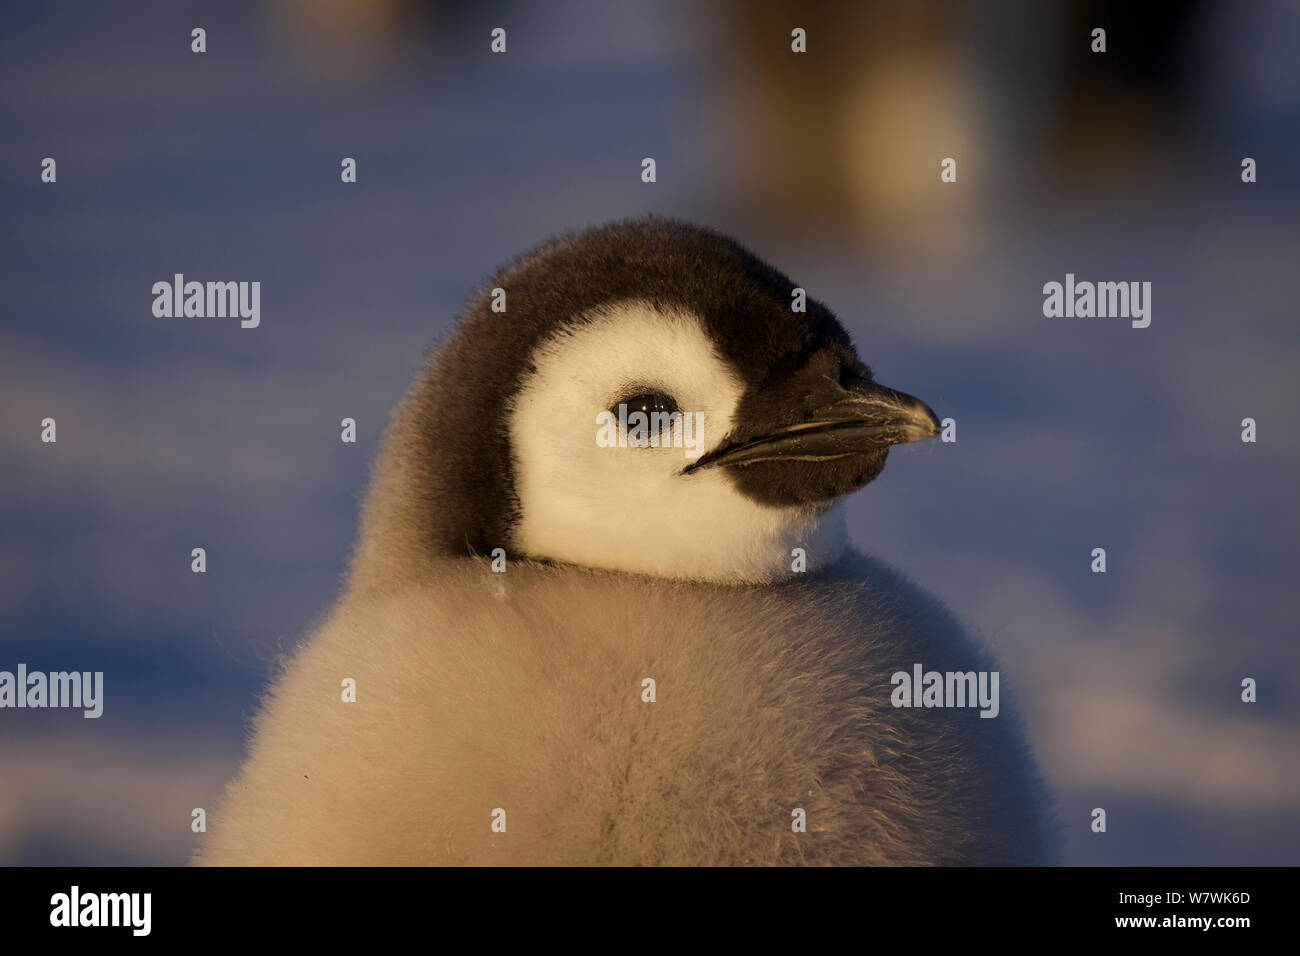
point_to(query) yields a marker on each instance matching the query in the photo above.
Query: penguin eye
(649, 403)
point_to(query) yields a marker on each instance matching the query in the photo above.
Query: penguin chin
(792, 483)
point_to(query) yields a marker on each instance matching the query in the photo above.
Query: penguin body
(649, 682)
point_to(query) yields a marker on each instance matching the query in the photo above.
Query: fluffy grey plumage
(522, 692)
(770, 698)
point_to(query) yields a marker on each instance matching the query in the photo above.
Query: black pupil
(648, 403)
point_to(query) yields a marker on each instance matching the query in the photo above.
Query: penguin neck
(774, 546)
(802, 544)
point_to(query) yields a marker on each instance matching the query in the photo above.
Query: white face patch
(629, 508)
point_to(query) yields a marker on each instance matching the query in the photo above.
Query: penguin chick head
(647, 401)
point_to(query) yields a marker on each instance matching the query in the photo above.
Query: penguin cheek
(788, 484)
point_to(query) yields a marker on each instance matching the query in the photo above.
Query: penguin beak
(868, 418)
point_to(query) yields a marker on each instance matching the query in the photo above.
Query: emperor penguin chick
(602, 609)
